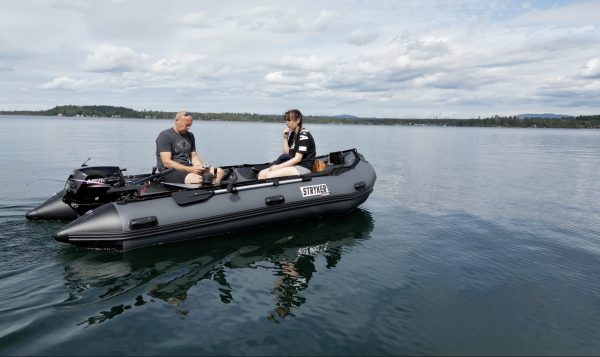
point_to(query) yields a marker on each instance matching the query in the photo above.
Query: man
(176, 148)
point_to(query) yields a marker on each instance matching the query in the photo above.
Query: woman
(299, 144)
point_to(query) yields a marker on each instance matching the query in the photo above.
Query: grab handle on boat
(143, 222)
(274, 200)
(359, 185)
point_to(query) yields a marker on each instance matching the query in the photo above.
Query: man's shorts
(176, 176)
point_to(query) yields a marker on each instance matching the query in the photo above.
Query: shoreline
(587, 122)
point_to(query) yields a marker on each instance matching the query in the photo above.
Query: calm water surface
(476, 241)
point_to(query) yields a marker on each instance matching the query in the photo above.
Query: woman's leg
(263, 174)
(286, 171)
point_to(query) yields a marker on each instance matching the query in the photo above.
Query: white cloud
(199, 19)
(116, 83)
(320, 24)
(166, 66)
(280, 77)
(569, 13)
(362, 37)
(282, 20)
(310, 63)
(113, 59)
(592, 68)
(181, 65)
(66, 83)
(428, 47)
(276, 77)
(77, 5)
(4, 67)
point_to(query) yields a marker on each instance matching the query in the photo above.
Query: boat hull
(53, 209)
(130, 225)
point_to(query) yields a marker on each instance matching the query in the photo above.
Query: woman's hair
(294, 114)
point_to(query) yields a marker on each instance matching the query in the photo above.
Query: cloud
(427, 47)
(362, 37)
(199, 19)
(276, 77)
(279, 20)
(568, 13)
(119, 83)
(4, 67)
(168, 66)
(189, 66)
(280, 77)
(66, 83)
(113, 59)
(592, 68)
(321, 24)
(309, 63)
(76, 5)
(569, 93)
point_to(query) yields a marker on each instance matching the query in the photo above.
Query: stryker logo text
(315, 190)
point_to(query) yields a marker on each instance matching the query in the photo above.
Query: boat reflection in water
(168, 272)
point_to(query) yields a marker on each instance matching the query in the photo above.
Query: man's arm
(166, 158)
(196, 161)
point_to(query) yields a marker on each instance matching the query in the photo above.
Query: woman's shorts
(302, 170)
(176, 176)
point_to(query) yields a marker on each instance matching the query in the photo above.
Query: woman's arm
(286, 145)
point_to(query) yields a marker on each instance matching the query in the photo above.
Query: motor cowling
(87, 187)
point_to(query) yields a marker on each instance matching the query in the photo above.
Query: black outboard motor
(87, 187)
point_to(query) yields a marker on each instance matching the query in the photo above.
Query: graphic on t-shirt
(182, 146)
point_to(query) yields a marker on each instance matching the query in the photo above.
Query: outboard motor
(87, 187)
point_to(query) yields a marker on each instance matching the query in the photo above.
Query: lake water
(475, 241)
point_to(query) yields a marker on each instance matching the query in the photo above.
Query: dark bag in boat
(336, 158)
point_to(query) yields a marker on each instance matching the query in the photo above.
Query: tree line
(589, 121)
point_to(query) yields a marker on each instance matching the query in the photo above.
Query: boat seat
(243, 174)
(154, 188)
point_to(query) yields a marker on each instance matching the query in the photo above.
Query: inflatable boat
(113, 211)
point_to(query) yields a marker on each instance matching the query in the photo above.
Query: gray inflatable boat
(175, 212)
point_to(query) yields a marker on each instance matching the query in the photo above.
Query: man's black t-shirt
(180, 146)
(304, 144)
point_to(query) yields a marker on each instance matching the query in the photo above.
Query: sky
(385, 59)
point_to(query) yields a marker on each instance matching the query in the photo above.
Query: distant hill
(545, 120)
(342, 116)
(543, 116)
